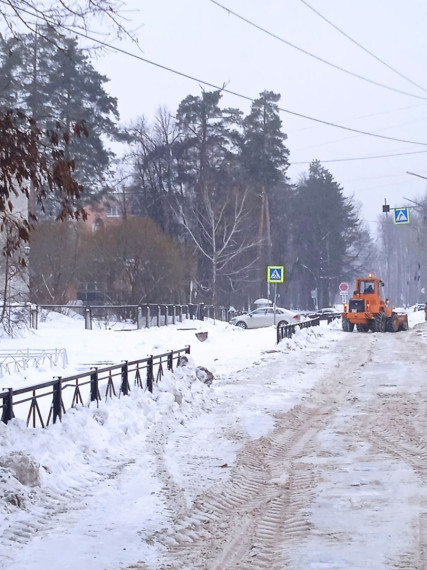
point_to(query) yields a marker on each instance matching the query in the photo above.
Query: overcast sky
(201, 39)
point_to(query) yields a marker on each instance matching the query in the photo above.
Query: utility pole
(264, 234)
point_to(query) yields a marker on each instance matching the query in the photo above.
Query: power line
(379, 113)
(362, 157)
(324, 143)
(223, 88)
(413, 174)
(362, 47)
(373, 82)
(246, 97)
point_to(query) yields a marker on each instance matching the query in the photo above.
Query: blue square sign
(275, 274)
(401, 216)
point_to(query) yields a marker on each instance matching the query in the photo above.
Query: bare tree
(403, 258)
(155, 167)
(221, 237)
(72, 15)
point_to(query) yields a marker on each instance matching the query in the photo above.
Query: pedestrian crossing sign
(401, 216)
(275, 274)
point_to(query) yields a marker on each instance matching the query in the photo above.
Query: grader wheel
(392, 324)
(347, 326)
(379, 323)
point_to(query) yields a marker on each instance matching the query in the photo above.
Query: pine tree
(50, 79)
(214, 198)
(265, 161)
(335, 243)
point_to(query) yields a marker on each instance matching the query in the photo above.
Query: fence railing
(133, 316)
(286, 331)
(44, 403)
(17, 360)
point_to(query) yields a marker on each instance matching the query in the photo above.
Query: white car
(265, 317)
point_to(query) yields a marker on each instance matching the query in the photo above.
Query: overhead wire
(318, 58)
(366, 50)
(369, 157)
(377, 113)
(352, 136)
(223, 88)
(338, 67)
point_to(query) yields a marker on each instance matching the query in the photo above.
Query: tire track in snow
(263, 510)
(396, 427)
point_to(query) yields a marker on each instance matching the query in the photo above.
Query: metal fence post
(147, 316)
(88, 319)
(125, 388)
(57, 401)
(7, 413)
(34, 320)
(150, 374)
(173, 314)
(170, 360)
(159, 314)
(139, 317)
(94, 389)
(166, 315)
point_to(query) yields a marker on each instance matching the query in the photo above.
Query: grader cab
(368, 311)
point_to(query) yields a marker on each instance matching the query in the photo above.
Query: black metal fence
(286, 331)
(44, 403)
(134, 316)
(47, 402)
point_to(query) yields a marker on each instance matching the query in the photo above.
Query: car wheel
(241, 324)
(281, 323)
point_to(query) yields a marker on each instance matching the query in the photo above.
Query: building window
(114, 212)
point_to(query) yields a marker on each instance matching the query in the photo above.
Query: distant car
(325, 313)
(419, 307)
(264, 317)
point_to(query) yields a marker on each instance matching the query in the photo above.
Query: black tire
(282, 323)
(391, 324)
(379, 322)
(404, 326)
(241, 324)
(362, 328)
(347, 326)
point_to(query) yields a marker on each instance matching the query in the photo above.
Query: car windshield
(366, 287)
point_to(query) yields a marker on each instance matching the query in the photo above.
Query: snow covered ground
(123, 485)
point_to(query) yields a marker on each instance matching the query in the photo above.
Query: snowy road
(310, 458)
(339, 482)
